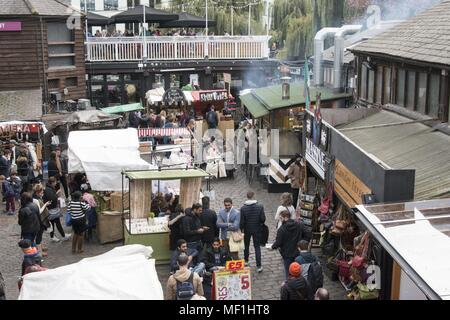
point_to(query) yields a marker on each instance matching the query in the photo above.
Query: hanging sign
(11, 26)
(233, 285)
(173, 96)
(208, 96)
(348, 187)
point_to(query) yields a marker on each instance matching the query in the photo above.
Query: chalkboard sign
(173, 96)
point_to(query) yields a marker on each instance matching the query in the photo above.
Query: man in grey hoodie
(252, 219)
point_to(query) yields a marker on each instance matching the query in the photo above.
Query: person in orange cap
(296, 287)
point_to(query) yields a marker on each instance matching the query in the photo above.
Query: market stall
(124, 273)
(103, 155)
(142, 226)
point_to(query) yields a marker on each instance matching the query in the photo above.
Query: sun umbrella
(136, 14)
(187, 20)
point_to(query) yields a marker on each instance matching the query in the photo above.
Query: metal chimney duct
(318, 53)
(339, 48)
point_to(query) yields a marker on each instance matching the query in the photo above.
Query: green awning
(271, 97)
(166, 174)
(255, 107)
(123, 108)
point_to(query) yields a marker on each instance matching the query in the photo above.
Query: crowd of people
(183, 32)
(202, 241)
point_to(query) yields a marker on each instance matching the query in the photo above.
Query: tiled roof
(425, 38)
(35, 7)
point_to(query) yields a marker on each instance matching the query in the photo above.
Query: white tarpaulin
(103, 155)
(124, 273)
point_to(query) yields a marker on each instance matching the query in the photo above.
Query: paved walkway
(265, 285)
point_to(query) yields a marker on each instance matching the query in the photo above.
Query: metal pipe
(339, 48)
(318, 52)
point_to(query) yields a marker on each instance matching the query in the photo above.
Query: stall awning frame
(123, 108)
(169, 174)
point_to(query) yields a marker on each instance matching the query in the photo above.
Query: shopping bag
(235, 246)
(222, 170)
(68, 219)
(62, 202)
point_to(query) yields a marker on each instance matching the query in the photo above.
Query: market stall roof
(104, 154)
(123, 108)
(417, 236)
(85, 117)
(271, 97)
(253, 105)
(124, 273)
(402, 143)
(94, 19)
(166, 174)
(136, 14)
(186, 20)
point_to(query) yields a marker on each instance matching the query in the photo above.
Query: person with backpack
(288, 235)
(184, 284)
(296, 287)
(311, 268)
(212, 119)
(252, 219)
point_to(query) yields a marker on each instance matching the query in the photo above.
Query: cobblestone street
(265, 285)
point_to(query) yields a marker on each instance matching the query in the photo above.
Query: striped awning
(163, 132)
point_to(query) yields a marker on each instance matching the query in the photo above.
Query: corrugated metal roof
(425, 37)
(407, 146)
(271, 96)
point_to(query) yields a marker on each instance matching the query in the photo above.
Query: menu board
(233, 285)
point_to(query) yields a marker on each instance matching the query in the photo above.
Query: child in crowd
(31, 255)
(8, 191)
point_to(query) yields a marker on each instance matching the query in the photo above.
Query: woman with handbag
(78, 209)
(38, 193)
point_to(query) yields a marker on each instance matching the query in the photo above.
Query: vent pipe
(339, 47)
(318, 53)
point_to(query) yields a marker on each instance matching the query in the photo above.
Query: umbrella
(136, 14)
(187, 20)
(94, 19)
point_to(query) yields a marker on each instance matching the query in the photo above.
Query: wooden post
(190, 191)
(141, 195)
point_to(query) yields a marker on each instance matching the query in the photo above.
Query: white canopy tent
(124, 273)
(103, 155)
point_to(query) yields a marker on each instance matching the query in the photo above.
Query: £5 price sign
(233, 285)
(235, 265)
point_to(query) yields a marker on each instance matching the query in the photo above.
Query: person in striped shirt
(77, 208)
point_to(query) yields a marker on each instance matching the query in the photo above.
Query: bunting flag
(307, 84)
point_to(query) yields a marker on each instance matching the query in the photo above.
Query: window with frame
(61, 45)
(434, 95)
(71, 82)
(379, 88)
(411, 90)
(111, 4)
(401, 73)
(53, 84)
(90, 5)
(422, 93)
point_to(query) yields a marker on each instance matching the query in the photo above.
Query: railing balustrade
(177, 48)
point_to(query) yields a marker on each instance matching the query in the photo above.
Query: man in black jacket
(288, 235)
(252, 219)
(215, 256)
(192, 227)
(208, 218)
(29, 218)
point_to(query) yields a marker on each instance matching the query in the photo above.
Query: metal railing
(177, 48)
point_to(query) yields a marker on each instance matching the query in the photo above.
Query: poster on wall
(233, 284)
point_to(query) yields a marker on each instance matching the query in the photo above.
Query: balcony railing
(177, 48)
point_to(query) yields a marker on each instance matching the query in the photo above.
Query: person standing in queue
(228, 221)
(192, 227)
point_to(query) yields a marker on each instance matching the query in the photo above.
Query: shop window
(364, 82)
(111, 4)
(113, 94)
(387, 85)
(371, 89)
(97, 96)
(113, 78)
(422, 93)
(133, 3)
(98, 78)
(71, 82)
(379, 88)
(401, 87)
(53, 84)
(411, 89)
(60, 45)
(433, 95)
